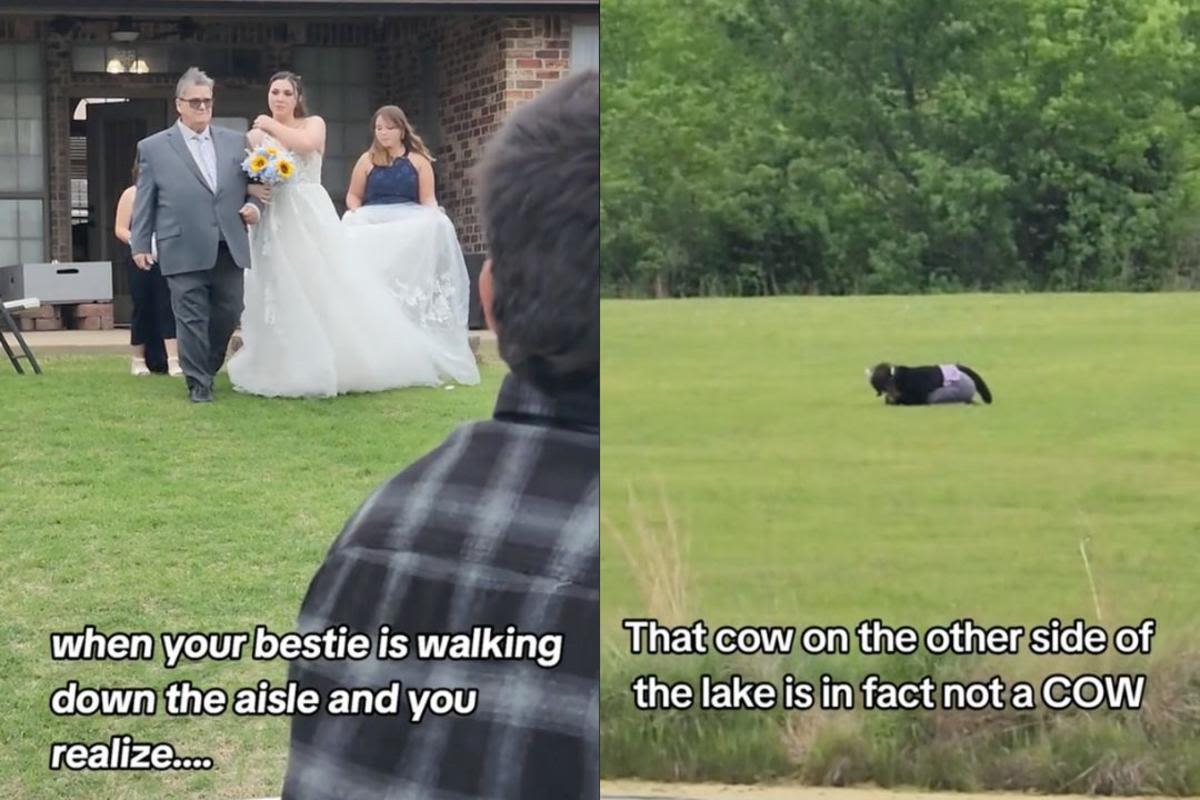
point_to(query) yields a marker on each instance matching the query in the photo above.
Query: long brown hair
(297, 87)
(408, 136)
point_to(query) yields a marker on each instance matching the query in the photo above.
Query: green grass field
(801, 499)
(125, 507)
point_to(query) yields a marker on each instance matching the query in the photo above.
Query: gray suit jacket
(175, 203)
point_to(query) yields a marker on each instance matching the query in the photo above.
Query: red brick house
(82, 81)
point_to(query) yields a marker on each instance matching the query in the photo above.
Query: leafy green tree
(845, 146)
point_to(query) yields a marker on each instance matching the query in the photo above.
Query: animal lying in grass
(919, 386)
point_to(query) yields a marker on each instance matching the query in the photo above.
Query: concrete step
(483, 343)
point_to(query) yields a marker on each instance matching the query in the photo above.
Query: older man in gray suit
(194, 198)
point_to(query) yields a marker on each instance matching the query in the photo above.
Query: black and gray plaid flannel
(497, 526)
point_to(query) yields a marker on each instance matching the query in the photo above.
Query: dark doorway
(112, 131)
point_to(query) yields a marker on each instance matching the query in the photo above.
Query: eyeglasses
(198, 103)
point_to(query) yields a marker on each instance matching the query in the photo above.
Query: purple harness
(950, 374)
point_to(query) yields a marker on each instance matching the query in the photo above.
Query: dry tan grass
(657, 552)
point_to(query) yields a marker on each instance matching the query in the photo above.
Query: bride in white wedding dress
(316, 324)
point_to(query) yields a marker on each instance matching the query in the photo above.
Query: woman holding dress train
(397, 229)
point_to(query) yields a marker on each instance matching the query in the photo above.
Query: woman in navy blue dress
(396, 227)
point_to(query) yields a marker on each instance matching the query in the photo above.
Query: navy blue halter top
(397, 183)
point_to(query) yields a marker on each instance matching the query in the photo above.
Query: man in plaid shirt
(496, 527)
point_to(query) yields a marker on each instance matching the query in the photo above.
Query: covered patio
(81, 82)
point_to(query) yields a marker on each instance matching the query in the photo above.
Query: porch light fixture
(127, 62)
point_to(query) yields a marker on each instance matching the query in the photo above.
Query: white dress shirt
(204, 151)
(200, 145)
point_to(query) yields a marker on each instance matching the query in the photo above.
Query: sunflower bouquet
(269, 165)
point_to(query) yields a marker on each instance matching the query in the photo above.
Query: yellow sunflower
(272, 152)
(258, 164)
(285, 168)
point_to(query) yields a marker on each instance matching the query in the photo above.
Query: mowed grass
(801, 499)
(125, 507)
(807, 501)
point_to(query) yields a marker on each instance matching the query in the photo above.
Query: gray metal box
(67, 282)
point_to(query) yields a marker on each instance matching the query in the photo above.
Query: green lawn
(807, 501)
(126, 507)
(800, 499)
(803, 500)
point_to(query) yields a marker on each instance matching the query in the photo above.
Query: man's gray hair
(193, 77)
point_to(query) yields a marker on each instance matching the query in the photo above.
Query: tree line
(898, 146)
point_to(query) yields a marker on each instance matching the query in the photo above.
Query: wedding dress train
(413, 250)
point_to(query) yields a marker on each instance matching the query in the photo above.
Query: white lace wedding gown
(315, 323)
(414, 250)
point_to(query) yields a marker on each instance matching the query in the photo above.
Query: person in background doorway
(153, 322)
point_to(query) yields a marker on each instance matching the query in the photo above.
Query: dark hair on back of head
(540, 200)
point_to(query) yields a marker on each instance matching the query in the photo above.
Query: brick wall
(490, 66)
(58, 124)
(537, 52)
(472, 105)
(405, 66)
